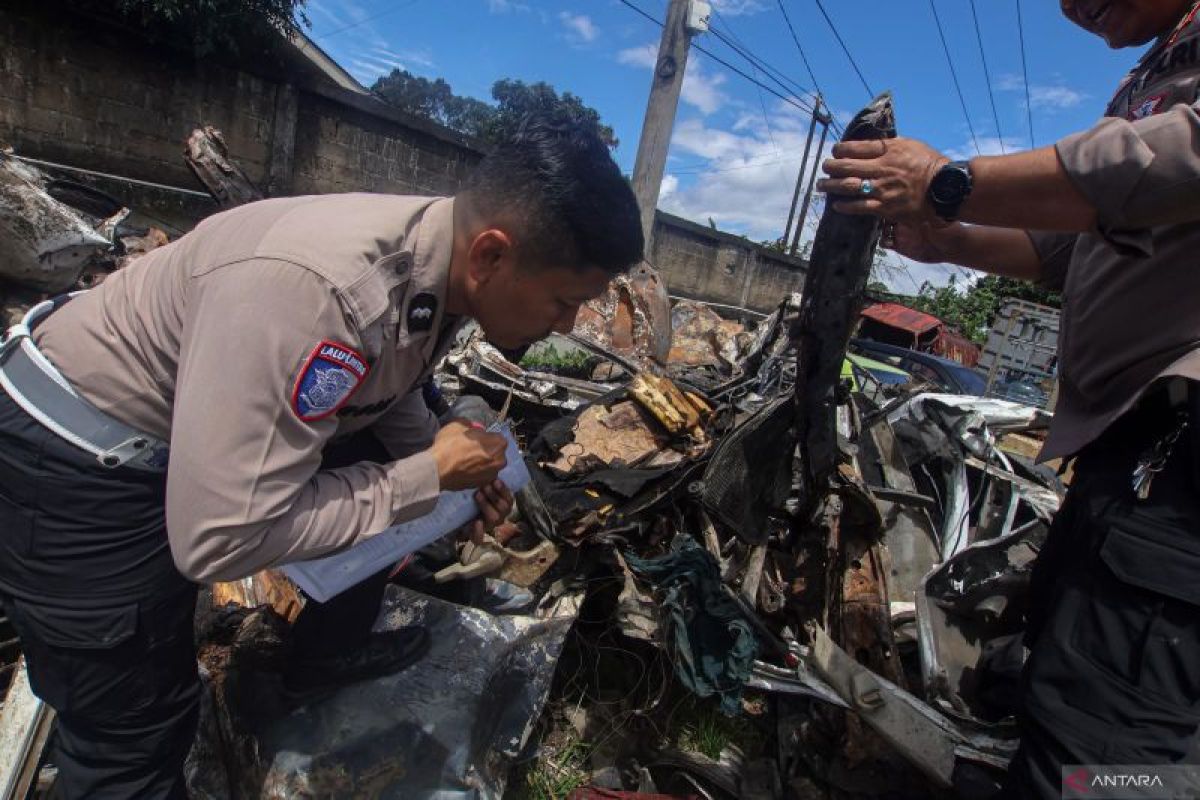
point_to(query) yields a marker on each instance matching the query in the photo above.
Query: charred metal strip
(840, 265)
(902, 497)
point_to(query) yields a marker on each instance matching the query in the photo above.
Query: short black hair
(559, 183)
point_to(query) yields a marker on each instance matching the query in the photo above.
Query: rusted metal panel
(632, 317)
(902, 317)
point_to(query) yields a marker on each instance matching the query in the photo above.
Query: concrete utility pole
(812, 126)
(812, 180)
(660, 109)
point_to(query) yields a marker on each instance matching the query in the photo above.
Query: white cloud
(506, 6)
(701, 89)
(641, 56)
(736, 8)
(580, 28)
(988, 146)
(1043, 97)
(421, 58)
(1055, 97)
(742, 177)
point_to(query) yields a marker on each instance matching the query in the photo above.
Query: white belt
(37, 387)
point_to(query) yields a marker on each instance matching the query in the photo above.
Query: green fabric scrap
(712, 644)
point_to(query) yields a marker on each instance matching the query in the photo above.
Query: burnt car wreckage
(717, 528)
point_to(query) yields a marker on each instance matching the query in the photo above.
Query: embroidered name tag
(330, 375)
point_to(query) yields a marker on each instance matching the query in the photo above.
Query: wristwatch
(950, 187)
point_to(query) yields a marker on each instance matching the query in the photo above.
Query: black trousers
(105, 619)
(1113, 675)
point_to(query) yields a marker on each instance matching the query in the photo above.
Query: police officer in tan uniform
(174, 426)
(1111, 216)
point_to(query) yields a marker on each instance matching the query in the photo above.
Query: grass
(560, 771)
(702, 728)
(549, 358)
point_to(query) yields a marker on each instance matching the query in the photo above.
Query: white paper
(326, 577)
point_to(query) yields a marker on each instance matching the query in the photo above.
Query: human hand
(467, 456)
(495, 501)
(899, 171)
(927, 242)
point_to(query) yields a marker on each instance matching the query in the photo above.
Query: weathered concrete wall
(96, 97)
(706, 264)
(350, 144)
(84, 96)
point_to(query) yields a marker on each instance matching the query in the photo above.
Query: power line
(845, 49)
(811, 76)
(794, 102)
(785, 83)
(1025, 74)
(762, 104)
(954, 75)
(987, 76)
(690, 170)
(808, 67)
(365, 20)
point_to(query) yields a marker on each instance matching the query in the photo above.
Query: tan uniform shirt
(253, 341)
(1131, 308)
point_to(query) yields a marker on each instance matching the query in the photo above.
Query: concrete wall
(96, 97)
(84, 94)
(348, 143)
(707, 264)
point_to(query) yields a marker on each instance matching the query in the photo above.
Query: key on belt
(1154, 459)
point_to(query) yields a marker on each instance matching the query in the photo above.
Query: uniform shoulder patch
(1147, 108)
(329, 376)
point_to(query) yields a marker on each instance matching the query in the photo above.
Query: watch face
(949, 185)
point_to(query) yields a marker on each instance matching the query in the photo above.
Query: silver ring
(866, 187)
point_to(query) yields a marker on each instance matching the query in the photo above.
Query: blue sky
(736, 148)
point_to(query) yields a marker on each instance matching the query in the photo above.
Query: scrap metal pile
(60, 236)
(732, 576)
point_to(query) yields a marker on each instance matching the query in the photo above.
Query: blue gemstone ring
(866, 187)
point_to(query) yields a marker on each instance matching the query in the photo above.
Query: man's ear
(488, 253)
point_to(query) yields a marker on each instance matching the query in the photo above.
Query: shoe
(384, 653)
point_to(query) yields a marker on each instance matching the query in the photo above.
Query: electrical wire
(954, 75)
(845, 49)
(762, 104)
(783, 81)
(794, 101)
(803, 57)
(1025, 75)
(365, 20)
(837, 128)
(688, 170)
(987, 77)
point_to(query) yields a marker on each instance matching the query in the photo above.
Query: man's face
(1125, 23)
(518, 305)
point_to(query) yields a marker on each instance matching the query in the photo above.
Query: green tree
(514, 100)
(972, 309)
(232, 26)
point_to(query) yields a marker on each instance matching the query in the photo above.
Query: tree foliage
(514, 100)
(232, 26)
(972, 309)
